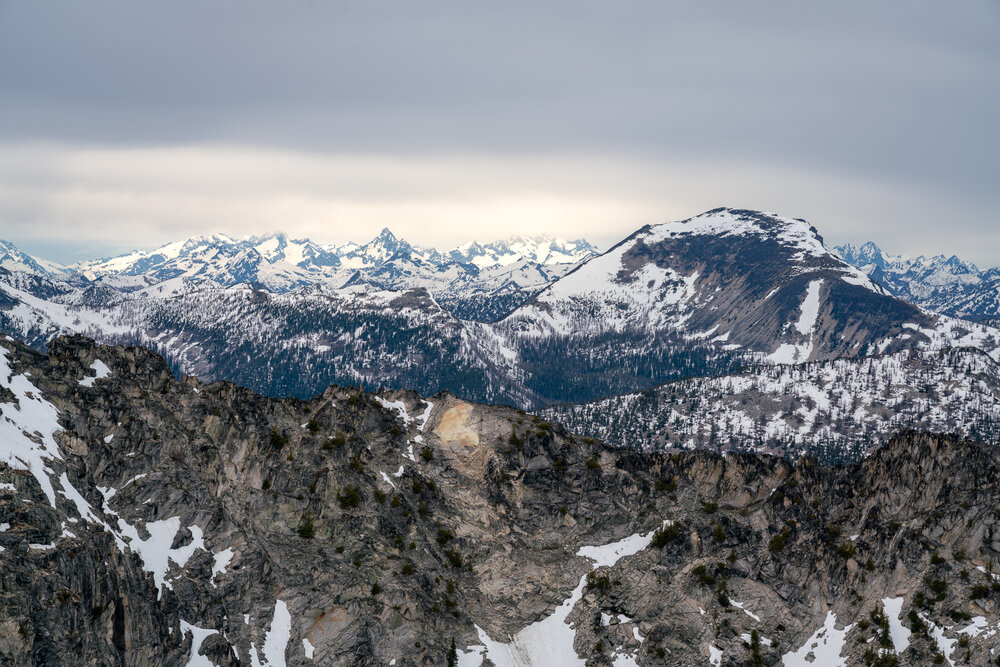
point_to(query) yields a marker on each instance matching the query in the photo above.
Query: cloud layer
(125, 124)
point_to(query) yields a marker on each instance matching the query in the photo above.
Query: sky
(128, 124)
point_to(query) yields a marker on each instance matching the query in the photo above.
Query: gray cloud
(876, 118)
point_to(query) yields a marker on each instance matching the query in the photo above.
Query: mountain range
(726, 290)
(943, 284)
(474, 281)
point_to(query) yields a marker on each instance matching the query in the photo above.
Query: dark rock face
(379, 528)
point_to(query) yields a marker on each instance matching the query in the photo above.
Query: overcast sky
(126, 124)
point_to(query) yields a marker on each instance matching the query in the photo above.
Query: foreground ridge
(202, 522)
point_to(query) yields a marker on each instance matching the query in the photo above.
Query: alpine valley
(717, 443)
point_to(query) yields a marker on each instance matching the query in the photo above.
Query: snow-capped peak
(789, 232)
(13, 258)
(868, 254)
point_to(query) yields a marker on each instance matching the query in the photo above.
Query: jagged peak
(386, 235)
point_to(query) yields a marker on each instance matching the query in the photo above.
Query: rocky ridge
(154, 521)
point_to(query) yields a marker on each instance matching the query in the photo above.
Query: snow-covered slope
(736, 279)
(14, 259)
(290, 343)
(835, 410)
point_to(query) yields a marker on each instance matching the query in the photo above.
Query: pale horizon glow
(141, 198)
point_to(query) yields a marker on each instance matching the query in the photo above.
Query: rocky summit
(147, 520)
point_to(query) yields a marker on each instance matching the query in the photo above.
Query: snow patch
(809, 309)
(549, 642)
(742, 607)
(899, 633)
(222, 560)
(198, 635)
(155, 551)
(822, 649)
(101, 371)
(276, 640)
(31, 415)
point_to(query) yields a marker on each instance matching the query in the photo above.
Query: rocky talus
(146, 520)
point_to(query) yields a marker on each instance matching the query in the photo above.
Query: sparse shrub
(335, 441)
(426, 453)
(960, 616)
(979, 591)
(664, 535)
(454, 557)
(833, 531)
(666, 485)
(847, 549)
(278, 439)
(779, 541)
(312, 426)
(937, 586)
(597, 581)
(756, 660)
(349, 496)
(703, 575)
(306, 529)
